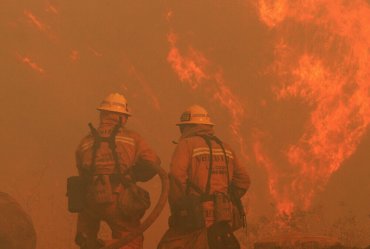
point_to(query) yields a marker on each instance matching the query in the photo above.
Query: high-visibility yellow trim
(126, 140)
(213, 154)
(215, 151)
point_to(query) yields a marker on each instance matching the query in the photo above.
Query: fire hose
(151, 217)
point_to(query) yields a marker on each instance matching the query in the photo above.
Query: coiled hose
(151, 217)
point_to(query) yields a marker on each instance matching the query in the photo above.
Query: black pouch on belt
(220, 236)
(133, 201)
(187, 214)
(76, 193)
(223, 207)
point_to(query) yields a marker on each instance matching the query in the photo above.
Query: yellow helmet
(114, 102)
(195, 114)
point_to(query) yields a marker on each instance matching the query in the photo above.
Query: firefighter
(206, 185)
(112, 159)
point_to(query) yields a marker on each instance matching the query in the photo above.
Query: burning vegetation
(289, 79)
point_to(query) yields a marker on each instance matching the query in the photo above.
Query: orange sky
(287, 86)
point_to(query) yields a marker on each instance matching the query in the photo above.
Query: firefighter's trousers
(89, 223)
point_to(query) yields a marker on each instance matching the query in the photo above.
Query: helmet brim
(118, 112)
(194, 122)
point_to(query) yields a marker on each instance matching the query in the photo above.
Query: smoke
(286, 82)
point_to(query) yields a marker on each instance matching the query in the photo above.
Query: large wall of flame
(264, 71)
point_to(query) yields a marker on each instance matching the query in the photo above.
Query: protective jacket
(190, 163)
(134, 160)
(189, 171)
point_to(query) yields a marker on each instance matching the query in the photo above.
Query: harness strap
(111, 140)
(219, 142)
(96, 145)
(112, 145)
(208, 185)
(195, 187)
(192, 185)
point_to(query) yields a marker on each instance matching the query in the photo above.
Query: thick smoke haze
(247, 62)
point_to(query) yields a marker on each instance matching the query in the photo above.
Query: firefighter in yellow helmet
(112, 159)
(207, 182)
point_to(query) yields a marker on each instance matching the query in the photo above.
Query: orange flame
(95, 52)
(232, 103)
(146, 87)
(75, 55)
(33, 65)
(34, 20)
(195, 70)
(331, 74)
(39, 25)
(189, 68)
(138, 78)
(285, 204)
(51, 8)
(169, 15)
(272, 12)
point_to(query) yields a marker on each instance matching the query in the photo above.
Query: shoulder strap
(111, 140)
(208, 185)
(96, 146)
(208, 140)
(112, 146)
(190, 184)
(219, 142)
